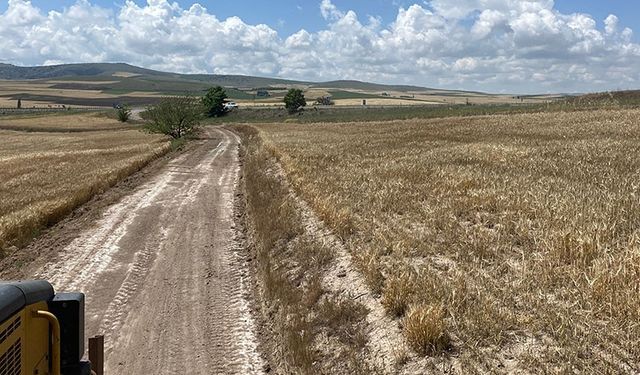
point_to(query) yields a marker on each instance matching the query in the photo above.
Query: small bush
(324, 100)
(175, 116)
(425, 329)
(123, 113)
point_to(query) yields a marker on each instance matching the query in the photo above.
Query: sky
(514, 46)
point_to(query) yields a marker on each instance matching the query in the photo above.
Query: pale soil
(124, 74)
(53, 82)
(163, 268)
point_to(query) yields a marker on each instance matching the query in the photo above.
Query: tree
(124, 113)
(174, 116)
(213, 101)
(294, 100)
(19, 103)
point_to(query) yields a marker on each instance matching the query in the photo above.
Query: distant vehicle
(230, 105)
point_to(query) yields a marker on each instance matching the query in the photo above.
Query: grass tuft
(425, 329)
(398, 293)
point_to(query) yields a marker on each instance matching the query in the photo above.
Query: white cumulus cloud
(330, 11)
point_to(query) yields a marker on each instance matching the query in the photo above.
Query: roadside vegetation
(499, 243)
(176, 117)
(56, 163)
(310, 329)
(123, 113)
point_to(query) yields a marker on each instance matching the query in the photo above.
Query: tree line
(178, 116)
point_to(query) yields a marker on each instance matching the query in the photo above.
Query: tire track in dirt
(163, 270)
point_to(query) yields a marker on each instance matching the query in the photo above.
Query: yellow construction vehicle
(41, 332)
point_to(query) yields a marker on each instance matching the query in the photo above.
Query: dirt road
(161, 270)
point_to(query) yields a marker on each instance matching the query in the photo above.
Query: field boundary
(311, 325)
(386, 343)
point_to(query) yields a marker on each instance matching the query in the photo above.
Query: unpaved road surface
(162, 271)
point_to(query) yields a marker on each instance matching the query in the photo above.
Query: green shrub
(123, 113)
(175, 116)
(294, 100)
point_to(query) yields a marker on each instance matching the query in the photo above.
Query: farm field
(50, 165)
(62, 122)
(497, 243)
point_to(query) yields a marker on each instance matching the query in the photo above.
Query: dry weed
(425, 329)
(398, 293)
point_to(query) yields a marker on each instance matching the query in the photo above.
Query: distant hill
(109, 83)
(108, 70)
(12, 72)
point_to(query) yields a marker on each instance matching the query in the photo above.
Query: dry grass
(397, 293)
(425, 329)
(60, 122)
(312, 331)
(524, 228)
(46, 175)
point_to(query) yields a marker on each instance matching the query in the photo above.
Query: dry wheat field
(499, 243)
(46, 174)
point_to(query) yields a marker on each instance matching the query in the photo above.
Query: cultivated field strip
(45, 175)
(61, 122)
(523, 230)
(308, 324)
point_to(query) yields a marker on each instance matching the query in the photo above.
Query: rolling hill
(105, 84)
(107, 71)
